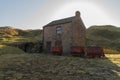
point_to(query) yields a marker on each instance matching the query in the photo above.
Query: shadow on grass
(49, 67)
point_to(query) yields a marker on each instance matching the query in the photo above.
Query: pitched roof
(61, 21)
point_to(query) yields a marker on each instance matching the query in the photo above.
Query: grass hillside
(10, 50)
(107, 36)
(10, 35)
(49, 67)
(18, 65)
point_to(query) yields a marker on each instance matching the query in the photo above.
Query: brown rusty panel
(94, 51)
(78, 51)
(57, 50)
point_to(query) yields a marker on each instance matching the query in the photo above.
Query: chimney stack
(77, 14)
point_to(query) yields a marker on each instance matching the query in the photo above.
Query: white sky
(35, 14)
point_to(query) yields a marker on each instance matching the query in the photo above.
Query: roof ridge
(61, 21)
(64, 18)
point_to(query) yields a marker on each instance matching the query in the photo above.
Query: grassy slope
(22, 66)
(10, 35)
(107, 36)
(49, 67)
(10, 50)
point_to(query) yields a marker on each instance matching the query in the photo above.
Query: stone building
(66, 33)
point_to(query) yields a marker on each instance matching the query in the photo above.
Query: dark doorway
(48, 46)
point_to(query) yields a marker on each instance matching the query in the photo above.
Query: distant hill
(18, 32)
(8, 30)
(10, 35)
(106, 36)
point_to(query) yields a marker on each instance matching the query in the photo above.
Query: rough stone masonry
(67, 33)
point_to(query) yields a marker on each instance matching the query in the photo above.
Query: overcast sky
(34, 14)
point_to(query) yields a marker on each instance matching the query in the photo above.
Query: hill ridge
(106, 36)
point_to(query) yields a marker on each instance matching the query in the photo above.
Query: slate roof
(61, 21)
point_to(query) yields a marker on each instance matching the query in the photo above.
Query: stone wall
(73, 34)
(78, 32)
(50, 35)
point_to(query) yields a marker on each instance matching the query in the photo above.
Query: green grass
(106, 36)
(49, 67)
(110, 51)
(19, 39)
(18, 65)
(9, 35)
(10, 50)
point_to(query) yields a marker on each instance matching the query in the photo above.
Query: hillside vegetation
(10, 50)
(10, 35)
(49, 67)
(18, 65)
(107, 36)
